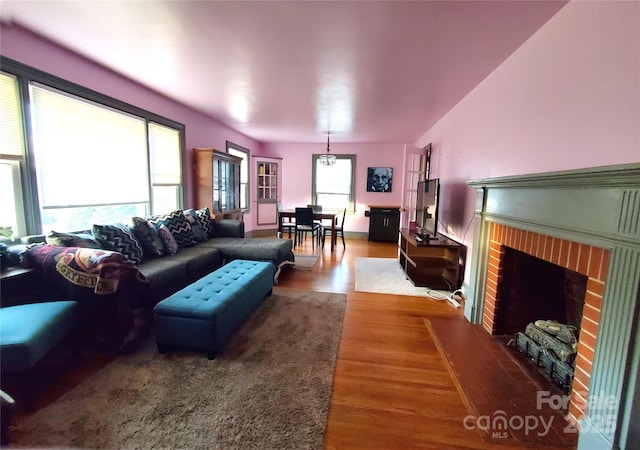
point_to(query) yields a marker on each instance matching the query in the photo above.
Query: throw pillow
(84, 240)
(177, 224)
(196, 228)
(119, 238)
(147, 234)
(169, 242)
(206, 222)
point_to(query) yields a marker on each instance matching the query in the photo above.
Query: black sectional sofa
(168, 274)
(109, 283)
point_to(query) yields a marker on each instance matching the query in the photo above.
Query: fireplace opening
(531, 289)
(539, 311)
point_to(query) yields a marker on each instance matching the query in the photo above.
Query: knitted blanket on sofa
(114, 296)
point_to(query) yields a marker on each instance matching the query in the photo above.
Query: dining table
(321, 216)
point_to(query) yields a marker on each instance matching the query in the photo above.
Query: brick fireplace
(585, 259)
(586, 221)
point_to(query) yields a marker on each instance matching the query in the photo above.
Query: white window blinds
(164, 145)
(166, 174)
(11, 141)
(86, 154)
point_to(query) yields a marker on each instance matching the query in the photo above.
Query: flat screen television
(427, 208)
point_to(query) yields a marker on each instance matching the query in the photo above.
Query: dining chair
(289, 225)
(339, 230)
(305, 224)
(317, 209)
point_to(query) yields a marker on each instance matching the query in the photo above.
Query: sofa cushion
(119, 238)
(178, 225)
(206, 222)
(196, 228)
(200, 260)
(165, 275)
(257, 249)
(169, 242)
(228, 228)
(84, 240)
(147, 234)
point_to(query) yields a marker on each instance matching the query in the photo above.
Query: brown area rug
(270, 388)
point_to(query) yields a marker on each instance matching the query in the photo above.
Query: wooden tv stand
(431, 263)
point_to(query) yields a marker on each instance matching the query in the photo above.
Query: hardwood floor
(392, 388)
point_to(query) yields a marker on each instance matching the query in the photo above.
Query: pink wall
(297, 168)
(201, 131)
(568, 98)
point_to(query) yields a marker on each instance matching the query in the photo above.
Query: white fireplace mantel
(599, 207)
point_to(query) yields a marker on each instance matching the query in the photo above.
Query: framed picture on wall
(379, 179)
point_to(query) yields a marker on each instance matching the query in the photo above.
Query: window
(333, 186)
(93, 159)
(11, 218)
(164, 152)
(243, 153)
(91, 162)
(11, 159)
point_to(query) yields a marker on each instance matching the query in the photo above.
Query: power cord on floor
(453, 298)
(437, 295)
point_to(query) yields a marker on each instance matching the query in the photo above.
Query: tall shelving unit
(217, 182)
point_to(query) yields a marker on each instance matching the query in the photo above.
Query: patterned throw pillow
(177, 224)
(147, 235)
(206, 222)
(119, 238)
(84, 240)
(169, 242)
(196, 228)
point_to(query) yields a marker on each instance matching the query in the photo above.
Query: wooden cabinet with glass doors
(217, 182)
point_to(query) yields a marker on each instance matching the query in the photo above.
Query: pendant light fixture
(327, 159)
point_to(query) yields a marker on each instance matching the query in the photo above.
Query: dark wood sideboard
(384, 223)
(437, 264)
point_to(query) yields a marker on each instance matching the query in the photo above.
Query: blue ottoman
(28, 332)
(203, 315)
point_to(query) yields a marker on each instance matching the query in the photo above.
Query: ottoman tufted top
(205, 297)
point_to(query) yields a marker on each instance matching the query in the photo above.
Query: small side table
(18, 285)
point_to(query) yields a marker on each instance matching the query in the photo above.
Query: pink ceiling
(381, 71)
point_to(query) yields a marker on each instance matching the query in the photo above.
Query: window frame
(245, 161)
(25, 75)
(351, 208)
(16, 164)
(152, 183)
